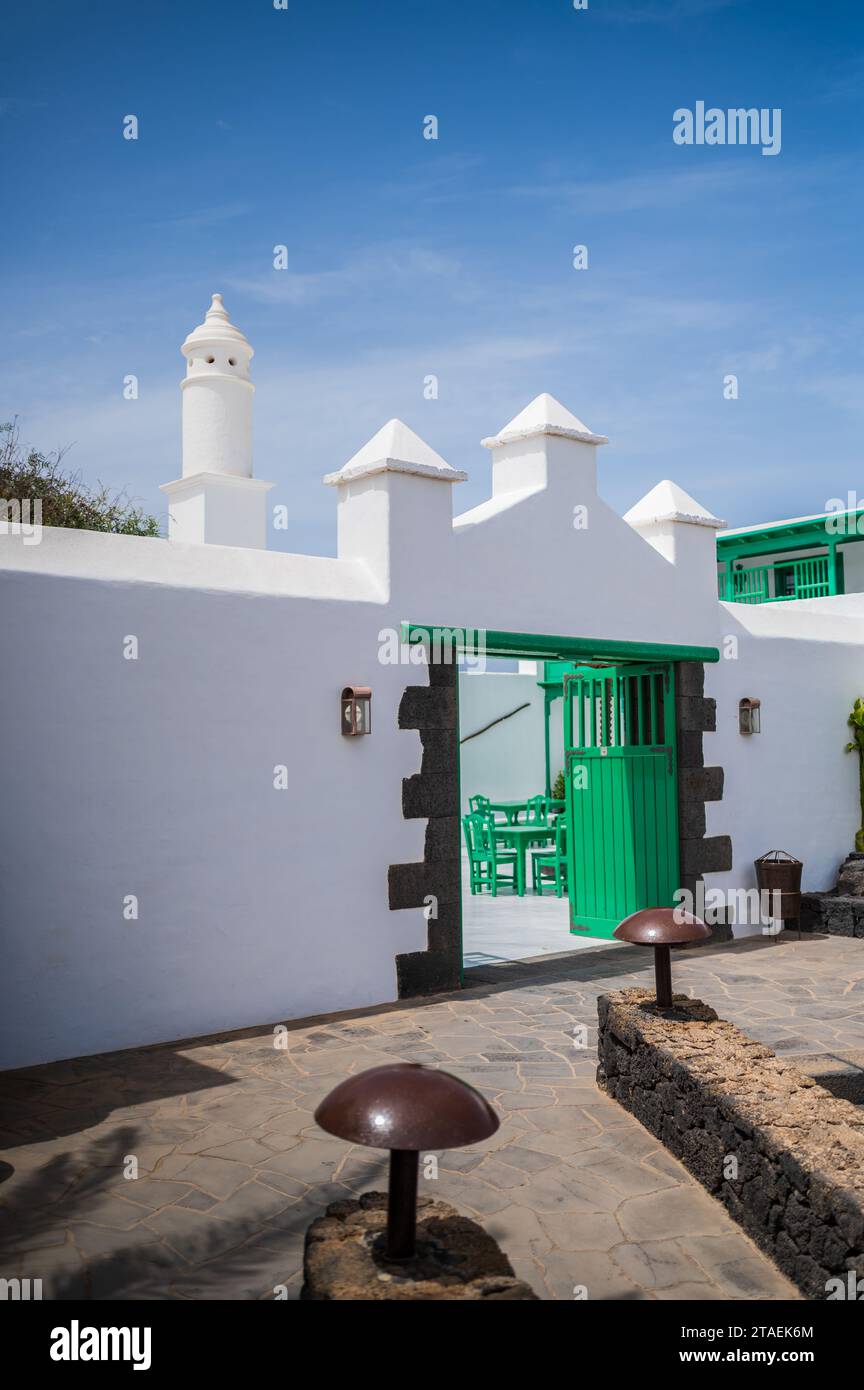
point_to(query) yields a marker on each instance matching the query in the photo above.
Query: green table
(511, 809)
(519, 837)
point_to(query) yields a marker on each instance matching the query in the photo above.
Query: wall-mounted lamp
(749, 716)
(356, 706)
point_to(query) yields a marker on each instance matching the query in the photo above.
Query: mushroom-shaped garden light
(662, 927)
(406, 1108)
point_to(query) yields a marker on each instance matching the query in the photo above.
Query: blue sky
(409, 257)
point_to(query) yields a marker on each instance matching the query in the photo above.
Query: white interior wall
(507, 762)
(853, 566)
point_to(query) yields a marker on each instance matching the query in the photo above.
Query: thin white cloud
(639, 192)
(390, 265)
(664, 11)
(204, 217)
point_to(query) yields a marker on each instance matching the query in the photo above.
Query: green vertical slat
(611, 841)
(640, 737)
(583, 800)
(653, 737)
(671, 738)
(601, 842)
(587, 835)
(613, 848)
(651, 845)
(626, 861)
(640, 867)
(575, 853)
(628, 710)
(601, 838)
(616, 857)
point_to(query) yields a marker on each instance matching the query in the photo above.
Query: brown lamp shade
(661, 926)
(406, 1106)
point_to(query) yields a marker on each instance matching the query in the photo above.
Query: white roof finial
(544, 415)
(217, 310)
(669, 502)
(217, 328)
(396, 449)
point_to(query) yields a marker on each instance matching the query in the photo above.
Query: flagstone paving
(232, 1168)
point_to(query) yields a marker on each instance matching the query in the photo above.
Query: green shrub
(856, 722)
(66, 501)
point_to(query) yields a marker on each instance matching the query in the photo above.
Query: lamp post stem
(402, 1204)
(663, 976)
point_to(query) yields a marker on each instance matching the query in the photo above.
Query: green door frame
(433, 793)
(530, 646)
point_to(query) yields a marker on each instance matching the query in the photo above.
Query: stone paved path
(232, 1167)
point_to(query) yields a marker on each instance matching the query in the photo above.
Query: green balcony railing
(777, 583)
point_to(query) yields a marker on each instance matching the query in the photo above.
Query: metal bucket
(779, 872)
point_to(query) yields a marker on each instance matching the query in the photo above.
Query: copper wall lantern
(356, 707)
(749, 716)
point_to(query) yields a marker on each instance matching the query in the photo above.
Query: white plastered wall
(155, 777)
(506, 762)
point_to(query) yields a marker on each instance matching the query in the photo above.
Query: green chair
(535, 814)
(484, 856)
(480, 806)
(555, 859)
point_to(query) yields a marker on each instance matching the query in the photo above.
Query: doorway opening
(575, 773)
(568, 802)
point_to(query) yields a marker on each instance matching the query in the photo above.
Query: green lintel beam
(541, 646)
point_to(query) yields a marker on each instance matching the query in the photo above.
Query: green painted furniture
(512, 810)
(554, 859)
(521, 837)
(486, 859)
(482, 806)
(535, 814)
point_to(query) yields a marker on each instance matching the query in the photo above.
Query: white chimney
(393, 512)
(217, 501)
(545, 446)
(681, 530)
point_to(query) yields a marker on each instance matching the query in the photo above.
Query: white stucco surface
(506, 762)
(155, 776)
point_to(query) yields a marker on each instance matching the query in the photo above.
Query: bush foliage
(66, 500)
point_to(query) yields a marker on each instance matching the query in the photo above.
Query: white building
(190, 844)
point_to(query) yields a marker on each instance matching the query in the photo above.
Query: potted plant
(558, 788)
(856, 722)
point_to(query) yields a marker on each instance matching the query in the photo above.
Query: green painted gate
(621, 789)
